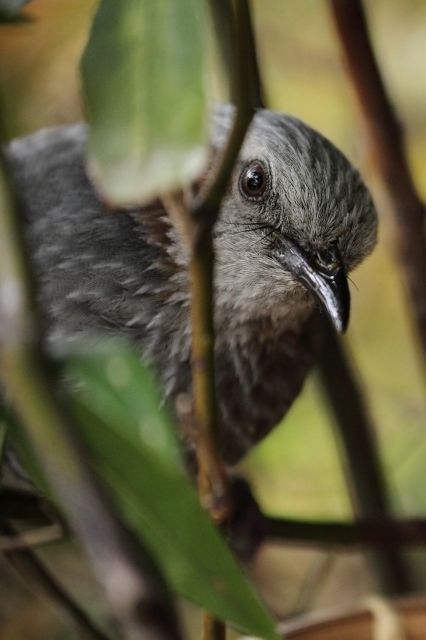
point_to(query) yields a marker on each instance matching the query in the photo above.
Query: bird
(296, 219)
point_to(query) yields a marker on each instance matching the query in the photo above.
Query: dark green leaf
(143, 81)
(153, 495)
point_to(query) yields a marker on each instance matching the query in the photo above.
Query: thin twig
(245, 87)
(366, 480)
(137, 602)
(28, 565)
(318, 572)
(213, 629)
(257, 94)
(33, 538)
(338, 535)
(222, 17)
(20, 505)
(206, 207)
(385, 139)
(204, 212)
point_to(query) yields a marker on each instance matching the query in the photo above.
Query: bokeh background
(295, 472)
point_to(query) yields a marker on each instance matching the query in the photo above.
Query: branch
(386, 534)
(136, 600)
(365, 474)
(33, 538)
(32, 569)
(384, 136)
(213, 482)
(257, 94)
(223, 18)
(205, 209)
(20, 505)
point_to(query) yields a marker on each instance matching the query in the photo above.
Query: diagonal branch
(385, 139)
(237, 39)
(204, 212)
(30, 567)
(366, 479)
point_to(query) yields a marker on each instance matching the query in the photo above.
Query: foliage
(132, 444)
(143, 82)
(144, 89)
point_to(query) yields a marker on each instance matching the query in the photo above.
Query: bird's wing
(98, 270)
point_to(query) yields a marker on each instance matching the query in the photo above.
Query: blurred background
(296, 472)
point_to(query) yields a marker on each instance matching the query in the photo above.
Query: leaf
(143, 82)
(119, 389)
(151, 492)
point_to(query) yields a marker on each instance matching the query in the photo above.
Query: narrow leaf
(143, 81)
(155, 498)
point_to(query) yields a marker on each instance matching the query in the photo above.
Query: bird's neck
(240, 319)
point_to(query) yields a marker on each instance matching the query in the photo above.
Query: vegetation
(146, 516)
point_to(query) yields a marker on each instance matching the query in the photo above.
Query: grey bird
(297, 218)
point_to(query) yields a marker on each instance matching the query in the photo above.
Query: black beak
(322, 273)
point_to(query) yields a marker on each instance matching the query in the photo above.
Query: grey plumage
(125, 273)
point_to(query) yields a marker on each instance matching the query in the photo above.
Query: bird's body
(125, 272)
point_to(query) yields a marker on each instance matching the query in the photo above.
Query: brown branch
(245, 87)
(33, 538)
(20, 505)
(365, 474)
(204, 212)
(213, 629)
(32, 570)
(385, 139)
(222, 18)
(364, 471)
(257, 94)
(384, 534)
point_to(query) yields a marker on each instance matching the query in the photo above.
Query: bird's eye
(253, 181)
(327, 261)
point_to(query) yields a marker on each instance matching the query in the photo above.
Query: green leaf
(144, 87)
(120, 390)
(151, 492)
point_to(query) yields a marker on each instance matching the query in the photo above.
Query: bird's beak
(323, 274)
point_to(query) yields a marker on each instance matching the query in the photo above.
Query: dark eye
(253, 181)
(327, 261)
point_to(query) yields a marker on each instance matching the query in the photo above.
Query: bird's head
(296, 220)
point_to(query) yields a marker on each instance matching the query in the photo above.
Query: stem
(33, 538)
(339, 535)
(213, 629)
(385, 139)
(32, 569)
(245, 87)
(20, 505)
(365, 474)
(212, 475)
(257, 98)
